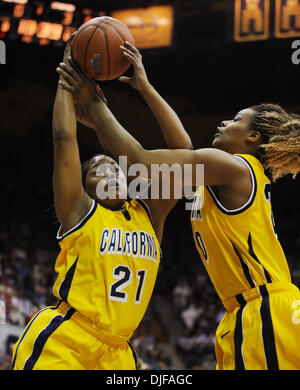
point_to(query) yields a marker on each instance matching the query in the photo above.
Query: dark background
(204, 76)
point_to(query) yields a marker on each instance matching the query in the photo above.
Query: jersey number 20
(124, 276)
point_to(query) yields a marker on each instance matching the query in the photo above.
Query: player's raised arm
(171, 126)
(71, 201)
(84, 87)
(221, 167)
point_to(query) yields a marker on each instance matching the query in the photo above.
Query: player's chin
(216, 143)
(113, 203)
(219, 143)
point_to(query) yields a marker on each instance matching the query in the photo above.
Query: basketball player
(234, 230)
(109, 258)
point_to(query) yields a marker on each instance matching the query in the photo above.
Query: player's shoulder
(218, 157)
(253, 163)
(90, 213)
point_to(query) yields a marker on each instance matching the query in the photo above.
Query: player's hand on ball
(67, 51)
(83, 89)
(139, 79)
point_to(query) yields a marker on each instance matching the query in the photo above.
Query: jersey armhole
(60, 236)
(249, 201)
(145, 206)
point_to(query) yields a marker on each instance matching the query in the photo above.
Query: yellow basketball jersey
(239, 248)
(107, 267)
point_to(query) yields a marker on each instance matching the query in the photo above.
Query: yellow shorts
(57, 338)
(261, 330)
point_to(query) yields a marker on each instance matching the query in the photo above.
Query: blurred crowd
(26, 275)
(28, 251)
(26, 279)
(199, 311)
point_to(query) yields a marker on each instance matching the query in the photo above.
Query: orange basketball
(96, 47)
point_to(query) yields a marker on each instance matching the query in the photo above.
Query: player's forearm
(63, 119)
(172, 129)
(82, 116)
(105, 147)
(112, 133)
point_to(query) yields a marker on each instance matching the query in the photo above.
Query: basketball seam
(115, 21)
(98, 25)
(90, 25)
(77, 35)
(118, 32)
(106, 21)
(86, 48)
(107, 51)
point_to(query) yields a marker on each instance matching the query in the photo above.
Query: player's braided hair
(280, 149)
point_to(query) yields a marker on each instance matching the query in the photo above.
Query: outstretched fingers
(131, 47)
(70, 79)
(129, 55)
(66, 85)
(131, 52)
(72, 72)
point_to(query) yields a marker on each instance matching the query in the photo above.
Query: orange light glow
(88, 17)
(16, 1)
(68, 18)
(86, 11)
(5, 26)
(27, 27)
(63, 6)
(151, 27)
(26, 39)
(39, 10)
(67, 33)
(18, 10)
(51, 31)
(44, 41)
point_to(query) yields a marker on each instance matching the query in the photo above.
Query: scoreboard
(44, 22)
(40, 22)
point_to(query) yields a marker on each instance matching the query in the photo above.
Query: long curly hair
(280, 150)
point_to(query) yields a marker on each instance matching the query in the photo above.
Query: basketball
(96, 47)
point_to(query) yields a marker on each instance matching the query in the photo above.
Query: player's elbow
(184, 145)
(137, 156)
(60, 135)
(181, 144)
(188, 145)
